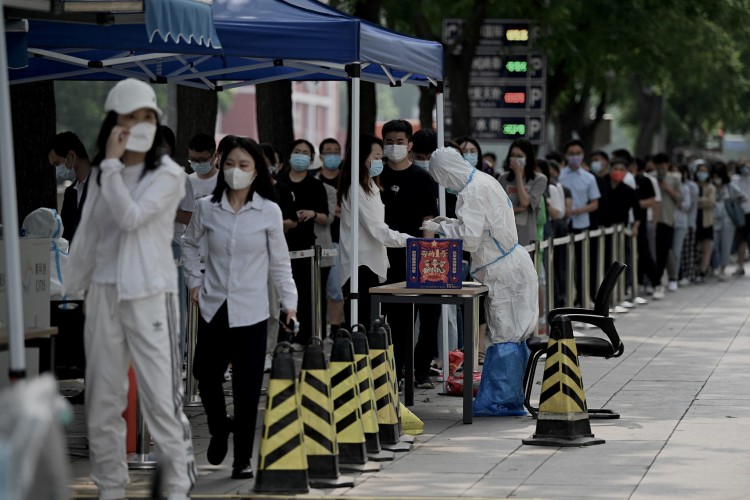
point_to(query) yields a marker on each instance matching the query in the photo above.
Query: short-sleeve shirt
(409, 196)
(644, 189)
(616, 203)
(583, 188)
(309, 194)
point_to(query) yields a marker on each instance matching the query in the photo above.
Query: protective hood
(43, 223)
(449, 169)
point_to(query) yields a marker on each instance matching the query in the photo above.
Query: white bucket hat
(129, 95)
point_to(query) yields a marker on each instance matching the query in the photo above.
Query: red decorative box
(433, 263)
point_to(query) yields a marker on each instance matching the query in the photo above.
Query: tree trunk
(458, 61)
(649, 114)
(368, 109)
(273, 103)
(427, 100)
(196, 112)
(34, 125)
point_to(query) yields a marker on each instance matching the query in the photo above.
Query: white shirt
(657, 196)
(242, 247)
(374, 234)
(108, 243)
(187, 204)
(79, 187)
(143, 262)
(742, 182)
(201, 189)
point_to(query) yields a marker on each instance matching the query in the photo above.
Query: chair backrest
(604, 294)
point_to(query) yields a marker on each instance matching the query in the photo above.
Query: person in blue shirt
(585, 191)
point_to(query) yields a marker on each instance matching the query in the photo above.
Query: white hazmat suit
(486, 224)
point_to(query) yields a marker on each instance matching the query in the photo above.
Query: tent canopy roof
(262, 40)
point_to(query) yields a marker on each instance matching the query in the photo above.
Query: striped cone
(393, 374)
(282, 463)
(367, 395)
(350, 432)
(386, 409)
(563, 418)
(317, 417)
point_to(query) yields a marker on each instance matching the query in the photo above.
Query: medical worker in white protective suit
(486, 224)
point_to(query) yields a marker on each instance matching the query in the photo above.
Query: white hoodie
(145, 217)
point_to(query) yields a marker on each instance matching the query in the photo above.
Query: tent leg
(441, 194)
(355, 73)
(10, 220)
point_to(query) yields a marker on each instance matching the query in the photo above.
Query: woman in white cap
(122, 259)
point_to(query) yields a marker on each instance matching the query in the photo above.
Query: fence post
(601, 248)
(550, 258)
(317, 314)
(142, 459)
(621, 252)
(586, 271)
(634, 264)
(191, 331)
(570, 277)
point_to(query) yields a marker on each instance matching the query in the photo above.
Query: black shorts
(704, 233)
(742, 232)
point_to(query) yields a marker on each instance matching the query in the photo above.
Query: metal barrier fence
(622, 246)
(544, 263)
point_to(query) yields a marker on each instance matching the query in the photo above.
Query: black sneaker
(219, 444)
(423, 383)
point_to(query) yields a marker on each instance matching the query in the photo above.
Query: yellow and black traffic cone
(350, 432)
(317, 417)
(405, 440)
(381, 378)
(367, 396)
(563, 418)
(282, 463)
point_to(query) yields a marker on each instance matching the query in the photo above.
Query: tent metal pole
(9, 206)
(355, 73)
(439, 101)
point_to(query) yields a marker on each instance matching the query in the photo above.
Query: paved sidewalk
(682, 387)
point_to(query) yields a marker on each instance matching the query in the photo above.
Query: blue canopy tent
(261, 41)
(182, 21)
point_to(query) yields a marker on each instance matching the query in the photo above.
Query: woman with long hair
(374, 234)
(244, 229)
(525, 188)
(122, 258)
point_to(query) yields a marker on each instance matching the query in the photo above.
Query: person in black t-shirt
(409, 198)
(644, 189)
(617, 200)
(311, 204)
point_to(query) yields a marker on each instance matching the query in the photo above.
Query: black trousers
(301, 269)
(646, 266)
(664, 235)
(366, 280)
(244, 347)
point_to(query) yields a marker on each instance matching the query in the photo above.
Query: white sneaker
(627, 304)
(268, 363)
(641, 301)
(684, 282)
(721, 276)
(658, 292)
(672, 286)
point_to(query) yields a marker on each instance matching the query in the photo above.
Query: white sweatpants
(145, 332)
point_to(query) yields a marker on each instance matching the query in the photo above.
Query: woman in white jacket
(245, 234)
(122, 259)
(374, 234)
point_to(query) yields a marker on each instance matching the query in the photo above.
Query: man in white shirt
(203, 161)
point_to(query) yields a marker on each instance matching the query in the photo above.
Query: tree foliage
(677, 63)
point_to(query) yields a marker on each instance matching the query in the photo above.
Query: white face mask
(425, 164)
(141, 137)
(237, 178)
(396, 152)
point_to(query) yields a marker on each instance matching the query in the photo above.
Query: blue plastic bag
(501, 390)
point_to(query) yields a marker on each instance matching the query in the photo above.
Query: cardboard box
(35, 262)
(433, 263)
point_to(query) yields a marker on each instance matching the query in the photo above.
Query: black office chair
(610, 347)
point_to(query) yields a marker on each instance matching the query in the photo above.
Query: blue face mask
(64, 173)
(472, 158)
(332, 162)
(701, 176)
(376, 168)
(201, 168)
(299, 162)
